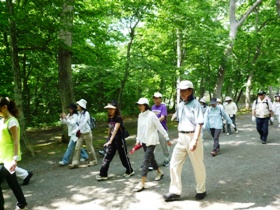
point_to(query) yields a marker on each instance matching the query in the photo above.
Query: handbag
(78, 134)
(125, 132)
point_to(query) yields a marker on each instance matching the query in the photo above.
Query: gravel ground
(245, 175)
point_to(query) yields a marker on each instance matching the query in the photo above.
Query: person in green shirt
(10, 151)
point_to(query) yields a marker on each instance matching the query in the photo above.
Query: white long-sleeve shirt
(83, 123)
(148, 127)
(231, 109)
(71, 122)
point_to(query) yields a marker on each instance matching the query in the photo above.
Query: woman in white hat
(231, 110)
(116, 141)
(147, 135)
(84, 134)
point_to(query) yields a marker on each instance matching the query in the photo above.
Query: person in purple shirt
(161, 111)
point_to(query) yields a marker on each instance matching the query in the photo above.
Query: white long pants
(21, 173)
(179, 156)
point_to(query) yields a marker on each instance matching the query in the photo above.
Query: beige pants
(179, 156)
(87, 139)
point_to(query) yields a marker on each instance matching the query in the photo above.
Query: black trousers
(120, 145)
(14, 185)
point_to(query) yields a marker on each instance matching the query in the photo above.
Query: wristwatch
(15, 158)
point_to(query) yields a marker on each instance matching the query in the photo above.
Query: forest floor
(245, 175)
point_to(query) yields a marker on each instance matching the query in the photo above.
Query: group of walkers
(193, 117)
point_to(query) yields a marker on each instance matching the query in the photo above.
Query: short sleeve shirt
(112, 122)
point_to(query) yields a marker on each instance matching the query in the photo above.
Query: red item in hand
(136, 147)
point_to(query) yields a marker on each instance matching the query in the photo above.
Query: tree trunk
(278, 7)
(234, 25)
(65, 60)
(26, 146)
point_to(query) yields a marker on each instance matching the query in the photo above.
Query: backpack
(92, 122)
(266, 101)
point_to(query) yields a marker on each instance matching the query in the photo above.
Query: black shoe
(200, 196)
(171, 197)
(27, 179)
(263, 142)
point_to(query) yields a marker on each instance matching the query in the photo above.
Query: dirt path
(245, 175)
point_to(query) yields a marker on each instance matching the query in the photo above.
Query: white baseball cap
(82, 103)
(157, 95)
(142, 101)
(185, 84)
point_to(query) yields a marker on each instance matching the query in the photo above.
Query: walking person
(71, 120)
(261, 114)
(84, 136)
(10, 151)
(231, 110)
(213, 119)
(148, 126)
(204, 108)
(160, 110)
(189, 143)
(116, 142)
(276, 108)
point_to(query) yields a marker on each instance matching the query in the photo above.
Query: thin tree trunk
(26, 146)
(65, 60)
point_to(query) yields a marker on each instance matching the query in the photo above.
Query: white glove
(253, 118)
(271, 119)
(233, 125)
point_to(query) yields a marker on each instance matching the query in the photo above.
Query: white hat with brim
(185, 84)
(219, 100)
(202, 100)
(109, 106)
(82, 103)
(228, 98)
(157, 95)
(142, 101)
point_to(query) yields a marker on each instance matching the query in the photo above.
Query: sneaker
(279, 126)
(159, 176)
(101, 178)
(263, 142)
(236, 131)
(27, 179)
(139, 187)
(92, 163)
(72, 166)
(62, 163)
(200, 196)
(165, 163)
(24, 208)
(128, 175)
(227, 134)
(213, 153)
(83, 160)
(171, 197)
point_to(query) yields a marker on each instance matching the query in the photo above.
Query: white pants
(21, 173)
(179, 156)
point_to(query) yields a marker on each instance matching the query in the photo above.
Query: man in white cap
(160, 110)
(261, 114)
(230, 109)
(189, 144)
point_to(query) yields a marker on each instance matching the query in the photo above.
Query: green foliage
(102, 31)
